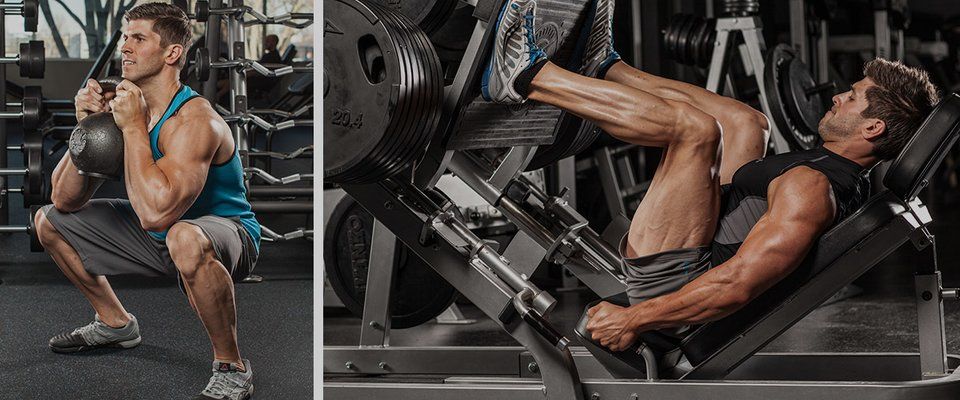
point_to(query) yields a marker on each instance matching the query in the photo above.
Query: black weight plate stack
(418, 293)
(32, 60)
(430, 15)
(779, 86)
(31, 105)
(383, 101)
(688, 39)
(805, 109)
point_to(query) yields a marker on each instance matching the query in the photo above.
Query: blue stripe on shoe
(485, 81)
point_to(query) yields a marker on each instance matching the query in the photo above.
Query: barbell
(29, 9)
(31, 59)
(203, 64)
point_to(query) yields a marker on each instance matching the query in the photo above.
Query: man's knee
(45, 231)
(189, 248)
(698, 128)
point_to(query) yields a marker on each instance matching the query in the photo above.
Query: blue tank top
(224, 193)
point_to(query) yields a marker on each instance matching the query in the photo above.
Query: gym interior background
(448, 221)
(274, 316)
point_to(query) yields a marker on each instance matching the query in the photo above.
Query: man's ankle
(236, 364)
(116, 322)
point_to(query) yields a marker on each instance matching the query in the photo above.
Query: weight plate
(32, 59)
(428, 14)
(31, 15)
(35, 245)
(33, 185)
(202, 11)
(779, 89)
(385, 88)
(418, 293)
(805, 109)
(31, 107)
(201, 61)
(388, 157)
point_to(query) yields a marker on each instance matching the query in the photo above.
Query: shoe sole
(127, 344)
(485, 85)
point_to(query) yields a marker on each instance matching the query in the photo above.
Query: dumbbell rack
(31, 62)
(242, 119)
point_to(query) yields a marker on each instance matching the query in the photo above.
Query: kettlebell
(96, 144)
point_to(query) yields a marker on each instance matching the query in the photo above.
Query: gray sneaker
(599, 52)
(228, 384)
(97, 335)
(514, 51)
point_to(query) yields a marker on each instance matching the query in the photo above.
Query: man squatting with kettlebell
(187, 213)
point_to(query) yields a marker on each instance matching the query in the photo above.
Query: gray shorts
(661, 273)
(665, 272)
(106, 233)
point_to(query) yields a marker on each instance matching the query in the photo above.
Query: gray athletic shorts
(106, 233)
(661, 273)
(665, 272)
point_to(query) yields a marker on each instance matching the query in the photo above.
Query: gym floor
(36, 302)
(882, 318)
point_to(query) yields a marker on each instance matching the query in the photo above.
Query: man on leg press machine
(720, 223)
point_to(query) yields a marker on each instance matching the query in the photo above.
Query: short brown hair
(902, 98)
(169, 21)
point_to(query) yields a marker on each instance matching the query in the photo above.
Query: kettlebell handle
(109, 84)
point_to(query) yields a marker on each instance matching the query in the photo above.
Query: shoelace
(221, 385)
(534, 51)
(87, 332)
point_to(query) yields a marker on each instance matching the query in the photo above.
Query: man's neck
(852, 152)
(158, 91)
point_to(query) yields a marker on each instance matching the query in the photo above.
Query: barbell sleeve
(14, 229)
(13, 171)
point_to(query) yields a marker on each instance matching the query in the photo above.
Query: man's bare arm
(160, 192)
(70, 190)
(801, 207)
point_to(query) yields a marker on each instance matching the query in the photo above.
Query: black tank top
(744, 200)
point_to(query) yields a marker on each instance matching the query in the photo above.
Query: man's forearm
(69, 189)
(148, 188)
(714, 295)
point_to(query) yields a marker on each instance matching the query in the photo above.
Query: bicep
(799, 211)
(187, 158)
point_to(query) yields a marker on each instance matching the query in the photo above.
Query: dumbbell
(29, 9)
(29, 229)
(30, 109)
(34, 189)
(203, 64)
(31, 59)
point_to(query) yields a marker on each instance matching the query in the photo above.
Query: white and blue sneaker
(599, 53)
(515, 50)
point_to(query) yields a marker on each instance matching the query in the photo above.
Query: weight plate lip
(433, 90)
(397, 149)
(383, 159)
(345, 169)
(424, 91)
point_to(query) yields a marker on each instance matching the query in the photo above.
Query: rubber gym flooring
(174, 360)
(882, 318)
